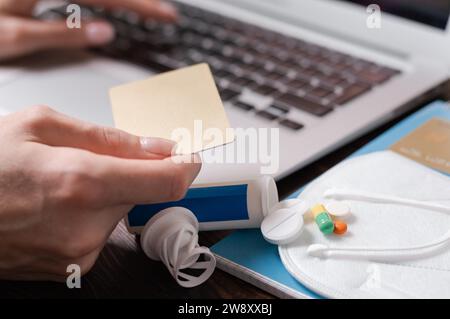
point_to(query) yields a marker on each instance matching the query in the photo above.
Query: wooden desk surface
(123, 271)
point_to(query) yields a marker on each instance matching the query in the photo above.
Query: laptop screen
(431, 12)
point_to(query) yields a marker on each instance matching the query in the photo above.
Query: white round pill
(337, 208)
(283, 226)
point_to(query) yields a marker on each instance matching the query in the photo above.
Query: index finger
(146, 8)
(131, 181)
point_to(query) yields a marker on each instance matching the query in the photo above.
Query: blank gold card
(182, 105)
(429, 144)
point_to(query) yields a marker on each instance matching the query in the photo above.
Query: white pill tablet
(283, 226)
(337, 208)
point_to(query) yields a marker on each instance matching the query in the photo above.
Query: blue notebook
(246, 255)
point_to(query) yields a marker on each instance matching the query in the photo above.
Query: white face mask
(398, 243)
(172, 237)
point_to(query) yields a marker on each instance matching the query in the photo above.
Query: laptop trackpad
(75, 83)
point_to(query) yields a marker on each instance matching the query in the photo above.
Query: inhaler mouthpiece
(171, 236)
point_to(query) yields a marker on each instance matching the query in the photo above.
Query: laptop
(314, 69)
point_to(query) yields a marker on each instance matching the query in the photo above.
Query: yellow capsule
(316, 210)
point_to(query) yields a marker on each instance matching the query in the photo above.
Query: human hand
(20, 34)
(65, 185)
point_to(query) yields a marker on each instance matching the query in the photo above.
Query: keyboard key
(229, 93)
(375, 76)
(253, 85)
(351, 93)
(308, 73)
(242, 81)
(161, 62)
(279, 108)
(297, 84)
(223, 74)
(248, 68)
(319, 92)
(265, 89)
(244, 106)
(301, 103)
(273, 76)
(291, 124)
(267, 115)
(200, 27)
(332, 80)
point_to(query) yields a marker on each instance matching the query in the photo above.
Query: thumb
(55, 35)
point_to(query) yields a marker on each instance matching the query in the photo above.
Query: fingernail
(99, 33)
(168, 9)
(157, 145)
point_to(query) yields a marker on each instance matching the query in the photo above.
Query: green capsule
(325, 223)
(323, 219)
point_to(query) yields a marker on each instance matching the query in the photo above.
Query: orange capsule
(340, 227)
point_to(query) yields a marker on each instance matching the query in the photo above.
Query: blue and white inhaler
(169, 231)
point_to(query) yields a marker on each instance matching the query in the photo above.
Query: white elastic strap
(169, 248)
(193, 242)
(386, 254)
(171, 236)
(188, 259)
(341, 194)
(206, 266)
(178, 262)
(379, 253)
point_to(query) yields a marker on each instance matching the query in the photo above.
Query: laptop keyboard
(288, 72)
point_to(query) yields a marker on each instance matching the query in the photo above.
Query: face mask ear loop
(208, 267)
(170, 250)
(189, 259)
(341, 194)
(163, 256)
(171, 236)
(186, 255)
(174, 250)
(176, 262)
(387, 254)
(173, 247)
